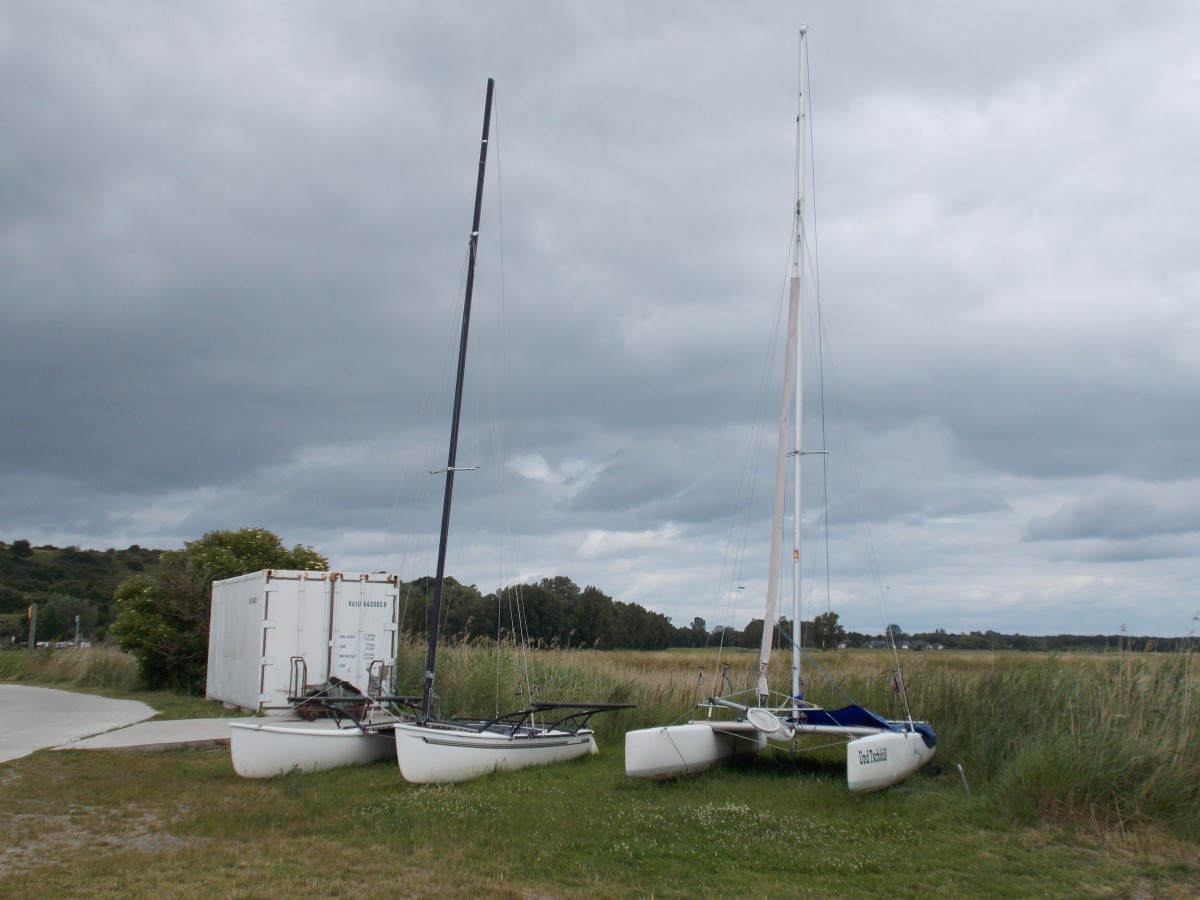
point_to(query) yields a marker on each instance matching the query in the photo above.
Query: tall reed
(103, 667)
(1110, 740)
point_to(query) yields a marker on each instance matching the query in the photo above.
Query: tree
(545, 614)
(162, 619)
(637, 628)
(56, 618)
(752, 634)
(563, 586)
(725, 636)
(590, 617)
(826, 632)
(781, 634)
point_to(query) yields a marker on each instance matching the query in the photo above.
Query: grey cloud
(1123, 512)
(233, 245)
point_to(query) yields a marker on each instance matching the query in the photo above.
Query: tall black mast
(435, 615)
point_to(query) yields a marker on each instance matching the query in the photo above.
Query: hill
(87, 577)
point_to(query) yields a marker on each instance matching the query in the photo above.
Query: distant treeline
(558, 613)
(555, 612)
(66, 582)
(1056, 643)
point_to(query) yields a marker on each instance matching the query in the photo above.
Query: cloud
(1123, 512)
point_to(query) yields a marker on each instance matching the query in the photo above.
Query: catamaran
(328, 725)
(879, 752)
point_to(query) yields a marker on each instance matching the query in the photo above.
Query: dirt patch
(30, 839)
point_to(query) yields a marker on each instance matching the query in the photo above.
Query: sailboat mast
(792, 403)
(435, 614)
(798, 291)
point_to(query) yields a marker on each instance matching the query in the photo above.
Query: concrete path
(160, 735)
(36, 717)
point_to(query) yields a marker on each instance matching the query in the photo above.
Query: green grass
(181, 823)
(1084, 774)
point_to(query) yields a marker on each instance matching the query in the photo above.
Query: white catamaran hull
(439, 754)
(677, 750)
(879, 761)
(874, 759)
(277, 747)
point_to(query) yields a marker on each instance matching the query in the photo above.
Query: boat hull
(278, 747)
(673, 751)
(879, 761)
(437, 753)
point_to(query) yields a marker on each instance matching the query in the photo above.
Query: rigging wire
(814, 267)
(494, 354)
(434, 402)
(491, 380)
(863, 520)
(807, 246)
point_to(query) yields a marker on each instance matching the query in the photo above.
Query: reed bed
(1108, 740)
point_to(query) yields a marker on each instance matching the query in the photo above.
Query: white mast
(792, 397)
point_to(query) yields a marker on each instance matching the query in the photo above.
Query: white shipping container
(337, 623)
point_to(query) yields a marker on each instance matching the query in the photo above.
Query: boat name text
(874, 755)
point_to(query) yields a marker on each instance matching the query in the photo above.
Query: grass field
(1083, 773)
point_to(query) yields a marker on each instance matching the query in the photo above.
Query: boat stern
(878, 761)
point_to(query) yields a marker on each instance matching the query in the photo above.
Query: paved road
(33, 718)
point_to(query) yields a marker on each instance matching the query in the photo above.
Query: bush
(162, 619)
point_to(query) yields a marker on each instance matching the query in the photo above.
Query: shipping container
(338, 624)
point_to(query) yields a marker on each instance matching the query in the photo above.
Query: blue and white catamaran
(880, 752)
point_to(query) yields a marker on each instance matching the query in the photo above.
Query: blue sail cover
(925, 730)
(855, 716)
(852, 716)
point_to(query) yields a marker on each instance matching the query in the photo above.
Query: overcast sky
(232, 242)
